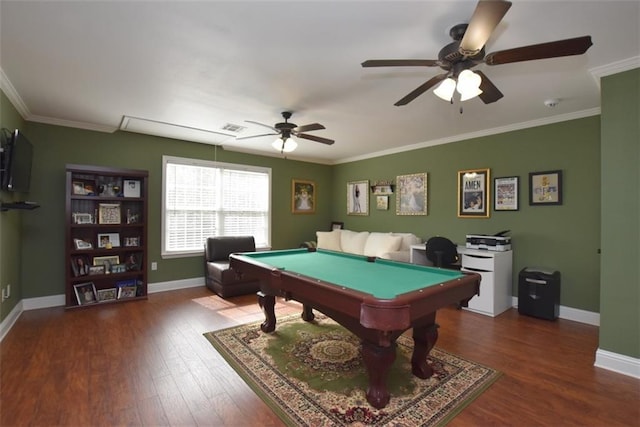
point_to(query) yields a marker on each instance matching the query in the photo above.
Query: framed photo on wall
(545, 188)
(358, 198)
(303, 196)
(411, 197)
(473, 193)
(506, 194)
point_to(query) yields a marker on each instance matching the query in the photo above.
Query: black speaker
(539, 293)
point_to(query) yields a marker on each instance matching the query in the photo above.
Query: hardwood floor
(147, 363)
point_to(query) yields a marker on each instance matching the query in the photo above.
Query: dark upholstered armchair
(219, 278)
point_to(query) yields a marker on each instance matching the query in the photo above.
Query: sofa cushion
(379, 244)
(329, 240)
(408, 239)
(353, 242)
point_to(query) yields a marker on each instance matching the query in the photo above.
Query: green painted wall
(565, 238)
(620, 276)
(54, 146)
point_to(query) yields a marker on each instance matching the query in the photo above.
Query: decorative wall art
(411, 197)
(358, 198)
(506, 194)
(545, 188)
(473, 193)
(303, 197)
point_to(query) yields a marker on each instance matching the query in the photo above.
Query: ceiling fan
(467, 51)
(286, 130)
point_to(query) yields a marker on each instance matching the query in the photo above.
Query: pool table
(375, 299)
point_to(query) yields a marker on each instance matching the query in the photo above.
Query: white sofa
(393, 246)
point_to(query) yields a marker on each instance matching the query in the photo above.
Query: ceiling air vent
(230, 127)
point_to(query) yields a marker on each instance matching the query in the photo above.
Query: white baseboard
(173, 285)
(10, 320)
(577, 315)
(618, 363)
(43, 302)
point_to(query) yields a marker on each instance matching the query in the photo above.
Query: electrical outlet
(154, 265)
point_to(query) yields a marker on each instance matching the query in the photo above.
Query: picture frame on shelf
(107, 261)
(108, 240)
(95, 270)
(119, 268)
(473, 193)
(358, 198)
(131, 241)
(545, 188)
(411, 196)
(109, 213)
(506, 195)
(303, 196)
(80, 244)
(126, 289)
(105, 295)
(82, 218)
(131, 188)
(382, 203)
(85, 293)
(133, 261)
(80, 266)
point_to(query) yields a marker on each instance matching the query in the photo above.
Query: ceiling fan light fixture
(286, 145)
(445, 89)
(468, 85)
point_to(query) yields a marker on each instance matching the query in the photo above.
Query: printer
(498, 242)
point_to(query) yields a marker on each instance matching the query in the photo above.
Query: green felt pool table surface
(383, 279)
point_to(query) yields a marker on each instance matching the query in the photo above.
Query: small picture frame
(133, 261)
(82, 218)
(131, 188)
(545, 188)
(382, 203)
(506, 194)
(303, 196)
(78, 188)
(131, 241)
(105, 295)
(335, 225)
(473, 193)
(411, 196)
(95, 270)
(80, 244)
(80, 266)
(86, 293)
(119, 268)
(127, 291)
(358, 198)
(108, 240)
(106, 261)
(109, 213)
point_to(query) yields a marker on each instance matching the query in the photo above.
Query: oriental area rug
(312, 374)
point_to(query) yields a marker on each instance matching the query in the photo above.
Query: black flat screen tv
(17, 158)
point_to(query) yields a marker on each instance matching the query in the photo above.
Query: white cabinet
(495, 287)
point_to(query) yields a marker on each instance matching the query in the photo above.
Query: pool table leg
(424, 339)
(267, 304)
(307, 313)
(378, 361)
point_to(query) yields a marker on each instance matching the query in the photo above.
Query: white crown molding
(72, 124)
(486, 132)
(616, 67)
(12, 94)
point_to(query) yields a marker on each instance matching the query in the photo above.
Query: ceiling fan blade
(490, 93)
(309, 127)
(256, 136)
(568, 47)
(261, 124)
(316, 138)
(484, 20)
(400, 63)
(421, 89)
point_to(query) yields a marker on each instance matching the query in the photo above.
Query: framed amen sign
(473, 193)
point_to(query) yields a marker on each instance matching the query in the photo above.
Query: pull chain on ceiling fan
(467, 51)
(286, 131)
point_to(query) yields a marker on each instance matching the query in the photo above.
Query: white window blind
(204, 199)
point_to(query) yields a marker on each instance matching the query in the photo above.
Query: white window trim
(211, 164)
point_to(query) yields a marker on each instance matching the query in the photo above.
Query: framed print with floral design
(411, 197)
(473, 193)
(506, 194)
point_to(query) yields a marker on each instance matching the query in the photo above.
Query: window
(204, 199)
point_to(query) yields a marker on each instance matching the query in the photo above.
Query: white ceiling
(201, 65)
